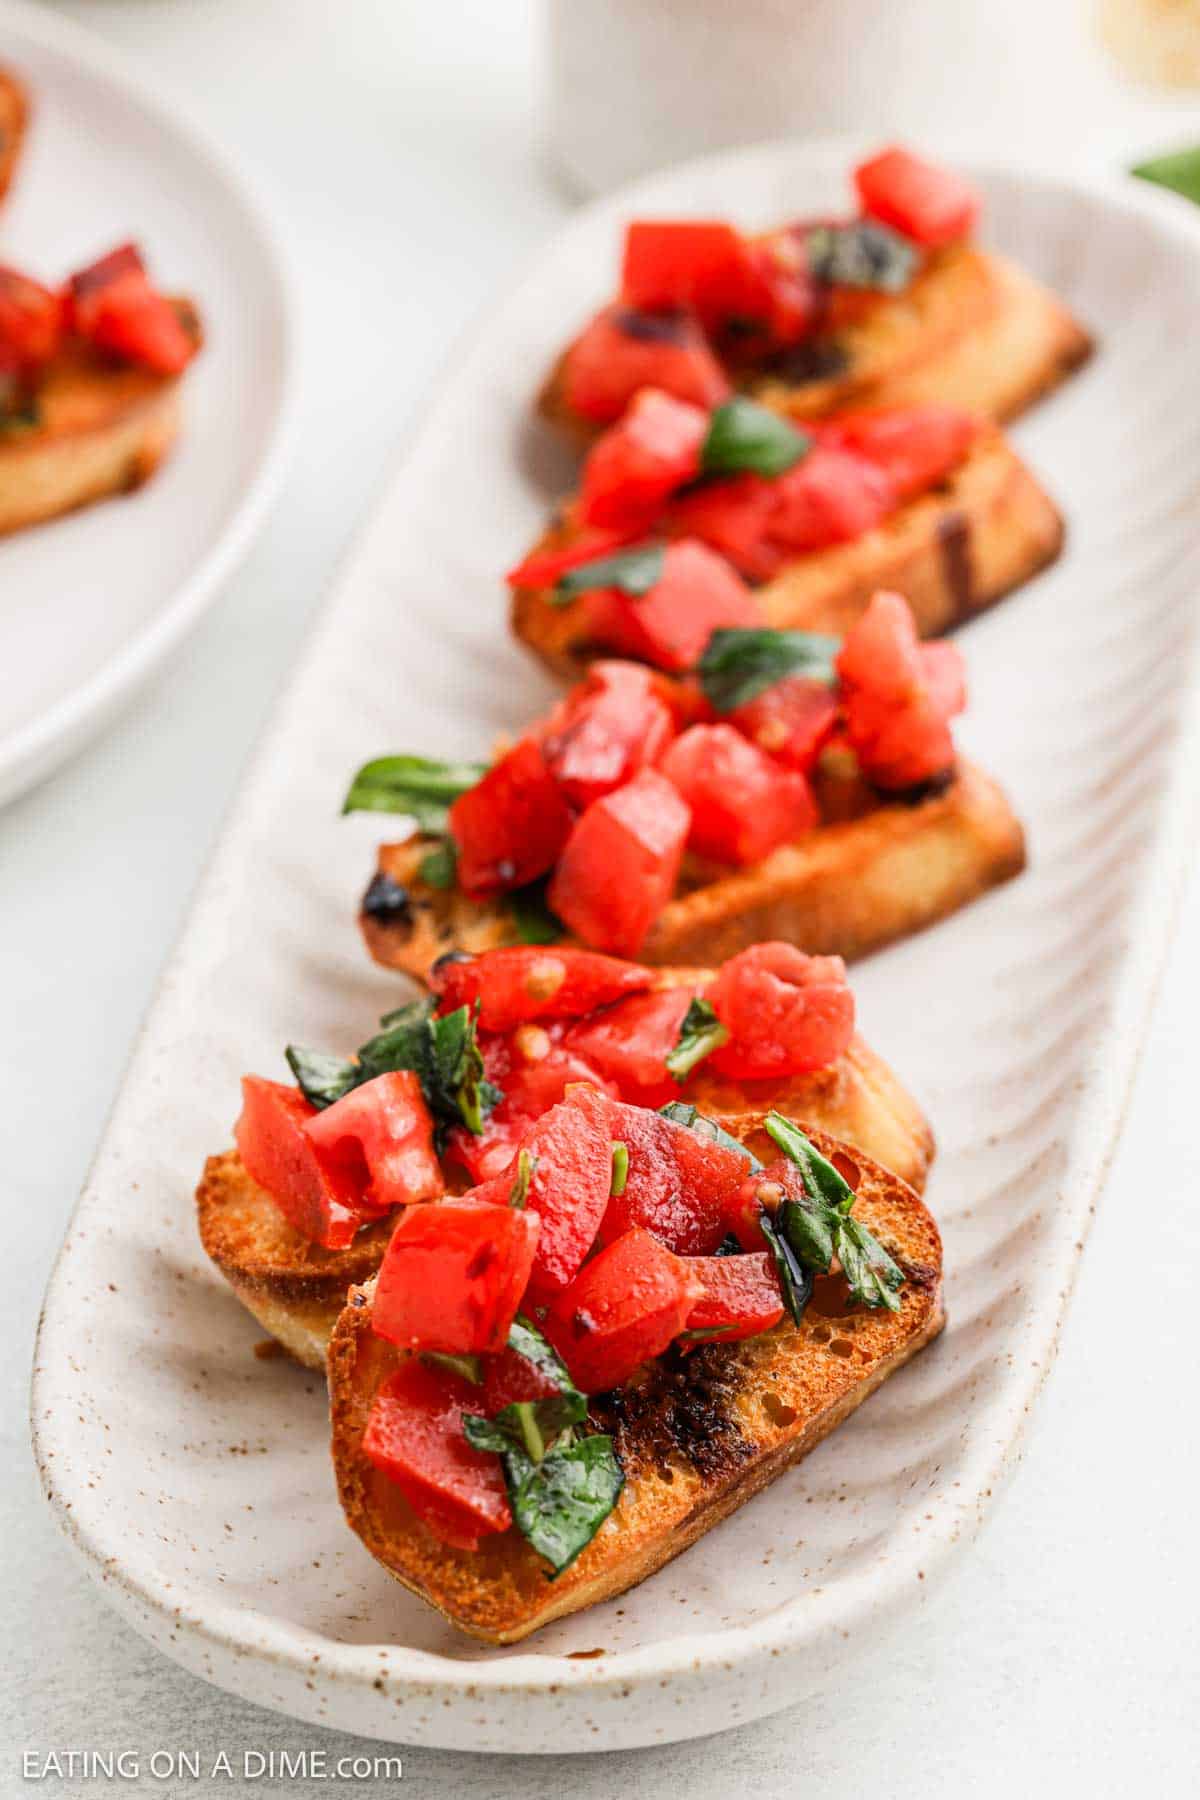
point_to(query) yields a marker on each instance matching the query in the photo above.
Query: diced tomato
(676, 1181)
(621, 863)
(609, 726)
(631, 470)
(541, 1073)
(453, 1275)
(114, 307)
(741, 1296)
(510, 827)
(415, 1437)
(509, 1376)
(630, 1042)
(670, 625)
(929, 204)
(771, 303)
(622, 351)
(387, 1125)
(897, 700)
(674, 264)
(542, 568)
(791, 720)
(731, 517)
(623, 1307)
(321, 1198)
(743, 803)
(787, 1013)
(516, 985)
(831, 497)
(31, 321)
(569, 1192)
(915, 446)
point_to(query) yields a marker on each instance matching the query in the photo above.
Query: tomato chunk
(623, 350)
(676, 1180)
(569, 1192)
(630, 1042)
(31, 321)
(319, 1196)
(114, 307)
(609, 726)
(731, 517)
(787, 1013)
(741, 1295)
(897, 699)
(414, 1436)
(792, 720)
(542, 1071)
(678, 263)
(652, 450)
(453, 1276)
(743, 803)
(510, 1376)
(931, 205)
(621, 863)
(623, 1307)
(516, 985)
(670, 625)
(510, 827)
(386, 1125)
(916, 446)
(832, 497)
(542, 568)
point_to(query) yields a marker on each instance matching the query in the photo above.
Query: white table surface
(399, 143)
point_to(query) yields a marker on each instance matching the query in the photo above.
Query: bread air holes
(776, 1410)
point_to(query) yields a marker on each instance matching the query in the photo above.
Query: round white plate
(195, 1479)
(90, 605)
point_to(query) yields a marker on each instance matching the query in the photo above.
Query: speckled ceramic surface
(194, 1478)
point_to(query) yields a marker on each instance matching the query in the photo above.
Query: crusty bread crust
(951, 552)
(101, 429)
(14, 121)
(972, 330)
(846, 889)
(760, 1406)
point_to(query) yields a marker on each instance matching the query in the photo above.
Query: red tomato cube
(31, 322)
(453, 1276)
(513, 986)
(931, 205)
(568, 1190)
(630, 1042)
(671, 264)
(609, 726)
(622, 351)
(652, 450)
(510, 827)
(385, 1128)
(732, 517)
(741, 1295)
(743, 803)
(623, 1307)
(832, 497)
(786, 1013)
(414, 1437)
(897, 700)
(621, 863)
(670, 625)
(792, 720)
(321, 1197)
(115, 308)
(508, 1377)
(915, 446)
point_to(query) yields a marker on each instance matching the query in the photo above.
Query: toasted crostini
(694, 1432)
(14, 118)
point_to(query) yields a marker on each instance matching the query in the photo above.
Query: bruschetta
(812, 523)
(805, 790)
(14, 119)
(513, 1450)
(286, 1215)
(90, 380)
(893, 307)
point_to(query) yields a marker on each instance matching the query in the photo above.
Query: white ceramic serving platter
(92, 604)
(195, 1479)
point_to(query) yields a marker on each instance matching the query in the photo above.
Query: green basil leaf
(438, 867)
(466, 1366)
(739, 663)
(518, 1194)
(795, 1280)
(744, 437)
(820, 1177)
(560, 1503)
(412, 785)
(681, 1113)
(820, 1227)
(861, 255)
(527, 1341)
(873, 1276)
(485, 1434)
(534, 921)
(634, 572)
(809, 1228)
(699, 1035)
(321, 1078)
(1179, 171)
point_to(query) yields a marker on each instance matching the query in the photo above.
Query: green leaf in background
(700, 1034)
(740, 663)
(413, 785)
(744, 437)
(861, 255)
(1180, 171)
(634, 572)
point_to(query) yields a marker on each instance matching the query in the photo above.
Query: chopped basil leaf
(412, 785)
(527, 1341)
(744, 437)
(700, 1034)
(620, 1169)
(466, 1366)
(819, 1227)
(740, 663)
(795, 1280)
(438, 867)
(321, 1078)
(534, 921)
(634, 572)
(519, 1192)
(681, 1113)
(861, 255)
(1179, 171)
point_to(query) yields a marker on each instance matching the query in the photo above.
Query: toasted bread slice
(98, 428)
(14, 119)
(951, 553)
(972, 330)
(844, 890)
(696, 1435)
